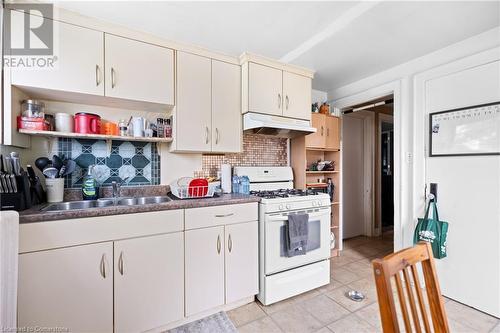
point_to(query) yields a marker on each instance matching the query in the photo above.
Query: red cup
(87, 123)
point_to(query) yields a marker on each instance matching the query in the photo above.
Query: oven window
(313, 241)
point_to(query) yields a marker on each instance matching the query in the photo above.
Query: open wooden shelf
(54, 134)
(320, 172)
(322, 149)
(336, 203)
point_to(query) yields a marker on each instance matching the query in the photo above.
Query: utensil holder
(55, 189)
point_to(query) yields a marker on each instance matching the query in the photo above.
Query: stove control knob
(314, 203)
(287, 206)
(281, 207)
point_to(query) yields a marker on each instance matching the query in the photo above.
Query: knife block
(20, 200)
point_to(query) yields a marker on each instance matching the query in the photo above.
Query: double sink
(106, 202)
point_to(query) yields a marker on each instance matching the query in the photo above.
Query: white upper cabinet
(79, 66)
(296, 96)
(265, 91)
(139, 71)
(226, 107)
(69, 287)
(149, 282)
(193, 119)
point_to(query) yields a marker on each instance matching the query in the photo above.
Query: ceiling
(342, 41)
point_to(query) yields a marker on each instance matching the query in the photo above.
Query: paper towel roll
(225, 170)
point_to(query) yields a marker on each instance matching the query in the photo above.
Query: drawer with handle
(220, 215)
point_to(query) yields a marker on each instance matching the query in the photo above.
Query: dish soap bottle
(90, 191)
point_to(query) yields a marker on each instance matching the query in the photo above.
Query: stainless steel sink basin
(105, 202)
(72, 205)
(152, 200)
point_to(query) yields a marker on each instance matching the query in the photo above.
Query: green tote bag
(433, 231)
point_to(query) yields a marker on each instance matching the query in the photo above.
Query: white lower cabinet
(149, 282)
(70, 288)
(221, 265)
(204, 269)
(242, 262)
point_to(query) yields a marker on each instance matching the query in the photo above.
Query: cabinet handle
(112, 77)
(216, 136)
(322, 130)
(327, 131)
(120, 263)
(229, 243)
(103, 266)
(224, 215)
(287, 102)
(206, 134)
(218, 244)
(279, 101)
(97, 75)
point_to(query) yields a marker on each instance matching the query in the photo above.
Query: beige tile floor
(327, 310)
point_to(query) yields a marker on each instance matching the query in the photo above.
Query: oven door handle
(285, 217)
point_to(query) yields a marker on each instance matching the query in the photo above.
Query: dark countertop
(35, 214)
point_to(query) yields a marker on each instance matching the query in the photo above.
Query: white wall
(401, 78)
(410, 104)
(318, 96)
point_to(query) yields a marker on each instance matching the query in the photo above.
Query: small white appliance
(280, 276)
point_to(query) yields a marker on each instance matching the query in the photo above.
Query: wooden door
(318, 139)
(332, 132)
(204, 269)
(139, 71)
(297, 96)
(79, 66)
(242, 262)
(226, 107)
(265, 89)
(194, 103)
(149, 282)
(69, 287)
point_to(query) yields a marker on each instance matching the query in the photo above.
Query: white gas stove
(282, 276)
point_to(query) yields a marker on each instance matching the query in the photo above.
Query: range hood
(282, 127)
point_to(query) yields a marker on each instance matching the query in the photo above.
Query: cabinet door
(297, 96)
(226, 107)
(149, 282)
(332, 132)
(139, 71)
(70, 287)
(194, 103)
(318, 139)
(204, 269)
(242, 262)
(265, 90)
(79, 66)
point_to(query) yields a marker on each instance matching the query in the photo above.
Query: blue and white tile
(101, 173)
(100, 149)
(146, 150)
(126, 171)
(146, 172)
(127, 150)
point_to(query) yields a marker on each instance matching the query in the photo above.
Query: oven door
(318, 244)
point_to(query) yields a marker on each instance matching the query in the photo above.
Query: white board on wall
(465, 131)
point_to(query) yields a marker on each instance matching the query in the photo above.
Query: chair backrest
(401, 268)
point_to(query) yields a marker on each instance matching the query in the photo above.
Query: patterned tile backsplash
(258, 150)
(137, 162)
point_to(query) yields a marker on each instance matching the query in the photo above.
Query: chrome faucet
(117, 187)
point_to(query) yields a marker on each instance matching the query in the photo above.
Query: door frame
(392, 88)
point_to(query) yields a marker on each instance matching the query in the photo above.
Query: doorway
(368, 169)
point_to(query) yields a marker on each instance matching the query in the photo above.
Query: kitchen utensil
(50, 172)
(31, 173)
(57, 162)
(87, 123)
(70, 167)
(41, 163)
(64, 122)
(33, 108)
(13, 183)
